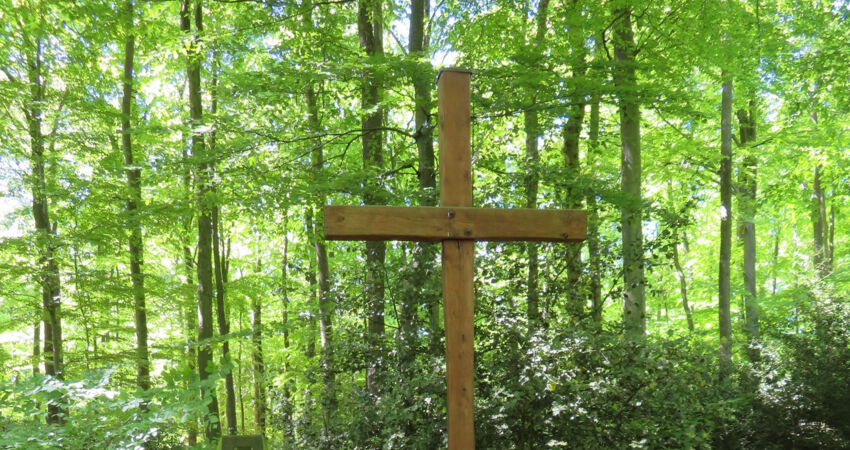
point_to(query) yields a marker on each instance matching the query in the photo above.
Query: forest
(165, 278)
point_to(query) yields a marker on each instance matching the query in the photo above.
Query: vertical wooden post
(453, 106)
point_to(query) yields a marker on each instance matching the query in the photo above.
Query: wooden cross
(457, 225)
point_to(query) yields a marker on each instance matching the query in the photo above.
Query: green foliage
(803, 380)
(102, 414)
(566, 382)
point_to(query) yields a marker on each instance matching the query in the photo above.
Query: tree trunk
(310, 348)
(370, 31)
(747, 182)
(683, 287)
(220, 263)
(830, 243)
(48, 276)
(134, 202)
(322, 279)
(257, 359)
(287, 388)
(819, 225)
(724, 280)
(212, 428)
(625, 82)
(36, 347)
(593, 249)
(775, 268)
(532, 184)
(422, 270)
(326, 301)
(531, 122)
(572, 162)
(190, 311)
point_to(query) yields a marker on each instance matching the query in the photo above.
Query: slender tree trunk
(239, 376)
(531, 123)
(683, 287)
(190, 311)
(830, 243)
(572, 131)
(625, 81)
(747, 182)
(321, 278)
(370, 31)
(212, 427)
(134, 202)
(724, 279)
(287, 388)
(422, 270)
(819, 225)
(532, 184)
(220, 271)
(257, 359)
(191, 315)
(326, 302)
(36, 347)
(593, 249)
(48, 276)
(310, 348)
(572, 161)
(775, 268)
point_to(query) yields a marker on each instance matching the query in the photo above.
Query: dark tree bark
(133, 173)
(370, 32)
(724, 276)
(212, 427)
(625, 82)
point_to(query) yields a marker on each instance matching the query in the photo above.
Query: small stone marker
(246, 442)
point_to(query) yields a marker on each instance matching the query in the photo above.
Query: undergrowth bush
(561, 387)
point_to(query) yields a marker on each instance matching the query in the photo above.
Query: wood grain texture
(459, 308)
(379, 223)
(453, 109)
(454, 119)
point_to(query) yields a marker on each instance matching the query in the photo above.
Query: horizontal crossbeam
(433, 224)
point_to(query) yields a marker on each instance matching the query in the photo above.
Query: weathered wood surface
(383, 223)
(453, 109)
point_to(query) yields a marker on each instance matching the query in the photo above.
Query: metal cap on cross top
(457, 225)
